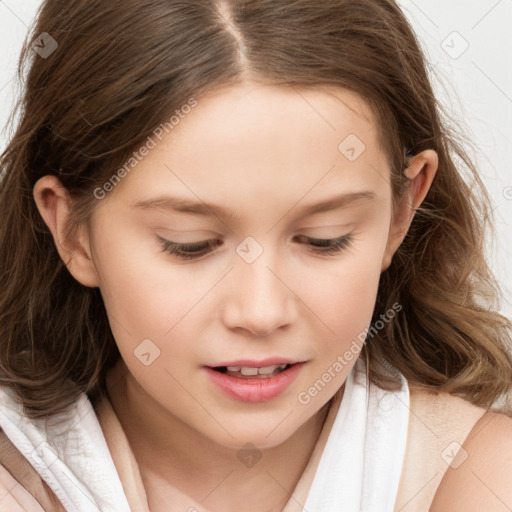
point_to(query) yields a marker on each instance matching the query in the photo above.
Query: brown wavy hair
(123, 66)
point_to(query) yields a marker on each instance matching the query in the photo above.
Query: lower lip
(257, 389)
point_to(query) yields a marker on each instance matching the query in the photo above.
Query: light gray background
(469, 47)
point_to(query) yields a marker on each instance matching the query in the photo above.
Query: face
(262, 274)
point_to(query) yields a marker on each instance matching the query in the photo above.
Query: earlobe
(421, 171)
(53, 203)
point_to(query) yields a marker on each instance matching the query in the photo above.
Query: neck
(174, 458)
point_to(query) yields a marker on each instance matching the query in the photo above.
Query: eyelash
(321, 246)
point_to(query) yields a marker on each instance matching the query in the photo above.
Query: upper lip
(252, 363)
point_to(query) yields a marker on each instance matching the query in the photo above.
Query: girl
(241, 269)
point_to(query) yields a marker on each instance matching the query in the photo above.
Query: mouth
(250, 372)
(254, 381)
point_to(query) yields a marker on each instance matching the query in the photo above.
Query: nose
(259, 299)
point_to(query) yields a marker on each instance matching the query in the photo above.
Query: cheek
(350, 289)
(144, 295)
(344, 299)
(347, 310)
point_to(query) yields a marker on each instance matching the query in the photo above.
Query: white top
(70, 453)
(373, 422)
(72, 456)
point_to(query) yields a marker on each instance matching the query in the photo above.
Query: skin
(265, 152)
(483, 481)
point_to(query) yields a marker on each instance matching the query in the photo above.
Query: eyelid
(321, 246)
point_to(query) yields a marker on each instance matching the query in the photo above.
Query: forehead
(254, 140)
(257, 113)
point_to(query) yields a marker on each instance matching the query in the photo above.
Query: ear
(421, 171)
(54, 204)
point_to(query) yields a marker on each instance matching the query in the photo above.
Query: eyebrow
(205, 209)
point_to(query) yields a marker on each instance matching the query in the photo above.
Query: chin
(252, 440)
(264, 432)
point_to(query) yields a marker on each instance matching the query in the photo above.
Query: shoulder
(21, 488)
(439, 424)
(13, 496)
(483, 480)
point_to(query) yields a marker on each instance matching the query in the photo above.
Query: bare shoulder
(14, 497)
(483, 478)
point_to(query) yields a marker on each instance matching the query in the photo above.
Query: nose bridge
(259, 300)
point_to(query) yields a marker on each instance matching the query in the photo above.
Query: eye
(330, 246)
(198, 249)
(188, 251)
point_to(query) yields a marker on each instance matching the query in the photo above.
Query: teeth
(249, 371)
(267, 370)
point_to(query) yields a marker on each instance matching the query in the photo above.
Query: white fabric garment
(373, 422)
(359, 470)
(70, 454)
